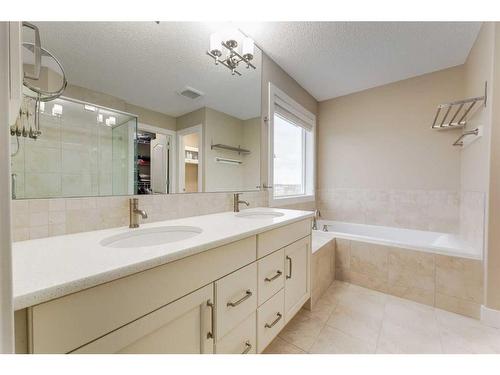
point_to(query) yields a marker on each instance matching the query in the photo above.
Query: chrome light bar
(234, 58)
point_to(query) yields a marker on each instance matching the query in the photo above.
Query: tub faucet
(325, 228)
(317, 215)
(237, 201)
(134, 212)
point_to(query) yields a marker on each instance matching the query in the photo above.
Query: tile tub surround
(450, 283)
(39, 218)
(322, 267)
(430, 210)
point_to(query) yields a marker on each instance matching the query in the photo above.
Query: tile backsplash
(431, 210)
(38, 218)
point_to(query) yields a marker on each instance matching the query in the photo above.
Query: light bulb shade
(215, 44)
(248, 48)
(57, 110)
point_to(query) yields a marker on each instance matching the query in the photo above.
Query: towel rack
(228, 161)
(461, 111)
(460, 142)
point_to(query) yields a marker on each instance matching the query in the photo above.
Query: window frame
(277, 96)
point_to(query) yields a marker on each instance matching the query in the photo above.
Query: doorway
(190, 160)
(155, 165)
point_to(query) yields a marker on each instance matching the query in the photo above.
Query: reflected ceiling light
(100, 117)
(226, 43)
(110, 121)
(42, 107)
(57, 110)
(90, 108)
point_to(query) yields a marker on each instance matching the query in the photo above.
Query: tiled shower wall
(430, 210)
(38, 218)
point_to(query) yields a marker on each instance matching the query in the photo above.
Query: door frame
(180, 133)
(172, 188)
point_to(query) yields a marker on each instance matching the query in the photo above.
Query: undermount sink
(259, 214)
(151, 236)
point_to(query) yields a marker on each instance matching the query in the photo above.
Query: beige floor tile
(302, 330)
(463, 335)
(334, 341)
(280, 346)
(322, 310)
(398, 339)
(411, 315)
(359, 315)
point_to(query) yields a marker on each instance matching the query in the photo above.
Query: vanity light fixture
(220, 45)
(90, 108)
(57, 110)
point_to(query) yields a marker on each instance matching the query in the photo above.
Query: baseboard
(490, 317)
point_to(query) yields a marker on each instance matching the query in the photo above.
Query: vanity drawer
(271, 275)
(275, 239)
(66, 323)
(270, 320)
(241, 340)
(236, 298)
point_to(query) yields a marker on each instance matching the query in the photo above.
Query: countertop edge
(44, 295)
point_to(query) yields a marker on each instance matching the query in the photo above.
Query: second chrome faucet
(135, 212)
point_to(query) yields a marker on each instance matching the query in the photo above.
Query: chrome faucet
(134, 212)
(317, 215)
(237, 201)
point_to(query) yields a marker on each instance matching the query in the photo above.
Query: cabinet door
(182, 327)
(297, 289)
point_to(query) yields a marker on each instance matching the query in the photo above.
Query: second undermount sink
(259, 214)
(151, 236)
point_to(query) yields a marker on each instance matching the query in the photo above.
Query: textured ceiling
(147, 64)
(331, 59)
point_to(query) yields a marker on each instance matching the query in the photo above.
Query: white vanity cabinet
(182, 327)
(232, 299)
(297, 290)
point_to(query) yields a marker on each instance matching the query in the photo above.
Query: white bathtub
(433, 242)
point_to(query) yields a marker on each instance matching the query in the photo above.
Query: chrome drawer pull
(248, 347)
(210, 334)
(289, 276)
(248, 294)
(278, 274)
(274, 322)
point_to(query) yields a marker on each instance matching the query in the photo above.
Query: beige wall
(478, 69)
(492, 281)
(190, 119)
(145, 116)
(273, 73)
(381, 138)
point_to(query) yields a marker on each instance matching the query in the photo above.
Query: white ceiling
(147, 64)
(331, 59)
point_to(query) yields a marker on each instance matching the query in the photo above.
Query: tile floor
(353, 320)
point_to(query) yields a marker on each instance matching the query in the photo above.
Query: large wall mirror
(146, 111)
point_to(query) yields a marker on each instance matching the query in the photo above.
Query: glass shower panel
(81, 148)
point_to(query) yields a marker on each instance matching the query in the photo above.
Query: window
(292, 147)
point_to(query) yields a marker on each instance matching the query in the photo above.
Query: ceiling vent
(191, 93)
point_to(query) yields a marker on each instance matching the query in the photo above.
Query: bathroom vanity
(230, 288)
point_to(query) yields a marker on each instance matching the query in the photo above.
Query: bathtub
(436, 269)
(431, 242)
